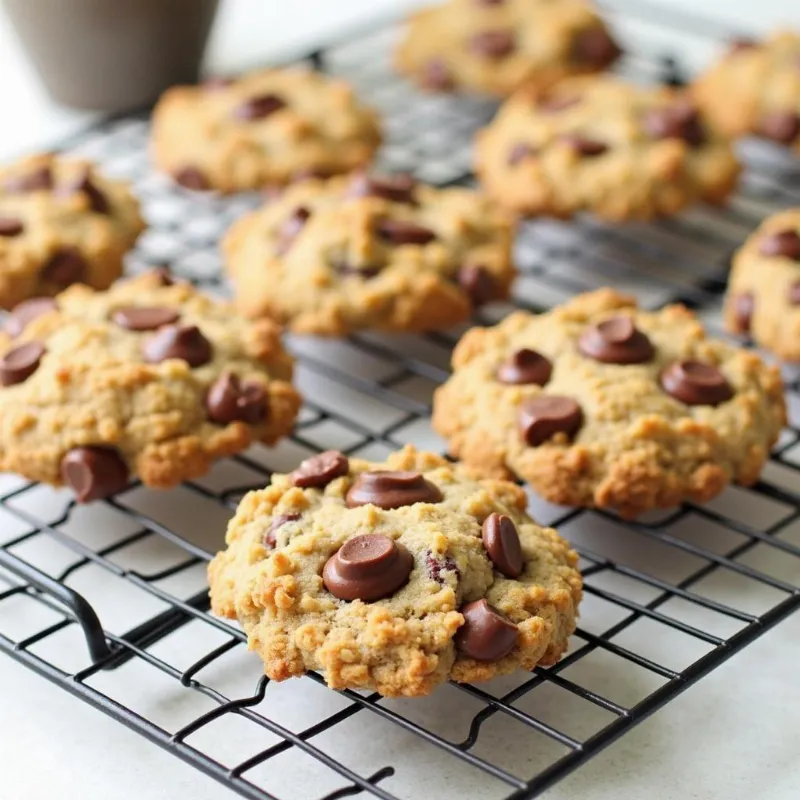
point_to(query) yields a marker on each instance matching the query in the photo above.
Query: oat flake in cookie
(637, 410)
(495, 46)
(395, 576)
(599, 144)
(763, 297)
(61, 222)
(269, 127)
(370, 252)
(149, 379)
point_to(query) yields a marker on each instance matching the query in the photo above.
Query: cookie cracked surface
(145, 379)
(359, 252)
(495, 46)
(600, 144)
(634, 410)
(265, 128)
(428, 543)
(61, 222)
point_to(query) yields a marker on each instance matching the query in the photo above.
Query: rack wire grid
(668, 598)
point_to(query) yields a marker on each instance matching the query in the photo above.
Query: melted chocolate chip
(595, 48)
(11, 226)
(437, 77)
(270, 539)
(553, 104)
(259, 107)
(696, 383)
(350, 270)
(477, 283)
(397, 188)
(501, 540)
(399, 231)
(83, 184)
(26, 312)
(584, 146)
(495, 44)
(20, 363)
(65, 267)
(191, 178)
(229, 400)
(794, 293)
(291, 227)
(519, 152)
(540, 418)
(40, 179)
(94, 472)
(486, 635)
(616, 341)
(144, 318)
(318, 471)
(367, 567)
(436, 566)
(178, 341)
(525, 366)
(780, 126)
(679, 121)
(743, 304)
(165, 277)
(391, 490)
(782, 243)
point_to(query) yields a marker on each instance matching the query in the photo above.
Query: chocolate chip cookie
(395, 576)
(265, 128)
(599, 144)
(755, 89)
(763, 297)
(388, 253)
(61, 223)
(495, 46)
(148, 379)
(597, 403)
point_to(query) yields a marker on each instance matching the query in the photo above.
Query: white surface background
(734, 736)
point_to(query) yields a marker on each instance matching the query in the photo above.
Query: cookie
(265, 128)
(755, 89)
(351, 253)
(496, 46)
(763, 297)
(598, 144)
(395, 576)
(599, 404)
(61, 223)
(149, 379)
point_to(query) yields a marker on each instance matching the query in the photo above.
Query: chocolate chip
(397, 188)
(291, 227)
(616, 341)
(144, 318)
(519, 152)
(741, 44)
(392, 490)
(477, 283)
(679, 121)
(781, 243)
(794, 293)
(270, 540)
(696, 383)
(743, 304)
(490, 2)
(178, 341)
(20, 363)
(437, 77)
(259, 107)
(38, 180)
(192, 178)
(436, 566)
(584, 146)
(229, 399)
(780, 126)
(26, 312)
(318, 471)
(400, 231)
(165, 277)
(367, 567)
(524, 367)
(83, 183)
(595, 48)
(350, 270)
(486, 635)
(94, 472)
(552, 104)
(11, 226)
(65, 267)
(493, 44)
(217, 82)
(312, 173)
(540, 418)
(501, 540)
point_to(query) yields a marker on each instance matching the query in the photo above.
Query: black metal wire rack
(668, 598)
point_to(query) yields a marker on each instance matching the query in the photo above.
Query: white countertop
(731, 737)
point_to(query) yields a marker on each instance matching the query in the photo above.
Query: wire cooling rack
(109, 601)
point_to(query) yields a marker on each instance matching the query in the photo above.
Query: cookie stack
(397, 576)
